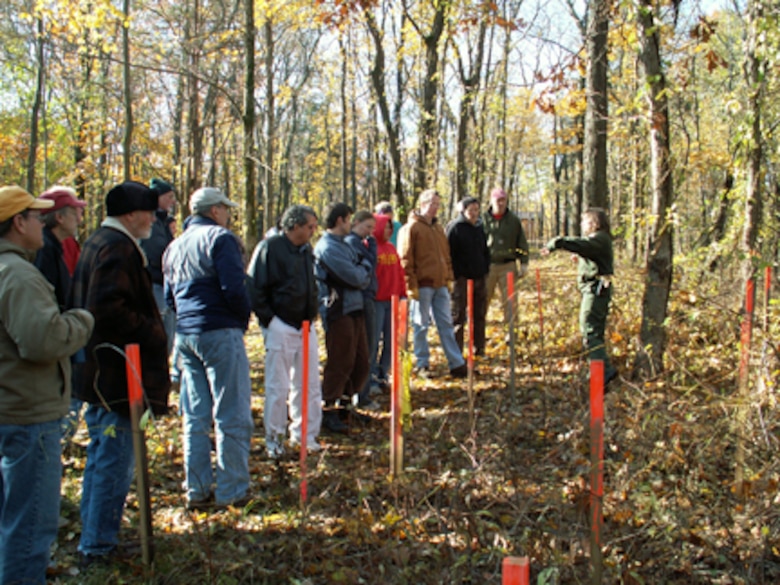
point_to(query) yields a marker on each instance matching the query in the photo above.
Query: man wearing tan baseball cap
(36, 342)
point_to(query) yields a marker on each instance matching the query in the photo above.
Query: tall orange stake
(515, 571)
(596, 468)
(470, 318)
(541, 313)
(395, 396)
(304, 409)
(135, 397)
(510, 311)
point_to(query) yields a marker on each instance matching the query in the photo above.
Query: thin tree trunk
(127, 140)
(595, 156)
(250, 120)
(754, 75)
(35, 115)
(270, 124)
(658, 279)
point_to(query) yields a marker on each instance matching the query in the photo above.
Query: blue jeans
(384, 330)
(436, 301)
(107, 478)
(30, 472)
(167, 314)
(215, 385)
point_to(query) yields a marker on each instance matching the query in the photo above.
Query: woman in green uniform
(594, 278)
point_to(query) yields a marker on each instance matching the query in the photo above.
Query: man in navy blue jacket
(204, 283)
(341, 278)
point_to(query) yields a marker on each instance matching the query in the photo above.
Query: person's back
(205, 283)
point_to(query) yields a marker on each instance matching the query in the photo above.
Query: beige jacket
(425, 253)
(36, 342)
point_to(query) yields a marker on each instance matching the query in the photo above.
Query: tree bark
(595, 156)
(35, 114)
(250, 121)
(658, 279)
(127, 140)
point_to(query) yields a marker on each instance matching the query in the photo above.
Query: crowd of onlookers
(186, 300)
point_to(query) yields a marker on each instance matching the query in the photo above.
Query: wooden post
(304, 409)
(510, 309)
(515, 571)
(136, 400)
(596, 468)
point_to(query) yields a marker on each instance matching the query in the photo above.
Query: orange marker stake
(539, 297)
(596, 467)
(135, 397)
(747, 328)
(395, 403)
(515, 571)
(470, 317)
(510, 293)
(305, 409)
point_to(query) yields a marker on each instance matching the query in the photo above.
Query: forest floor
(513, 480)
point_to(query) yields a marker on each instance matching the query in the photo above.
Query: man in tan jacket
(425, 258)
(36, 342)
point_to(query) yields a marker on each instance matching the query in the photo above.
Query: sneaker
(461, 371)
(201, 504)
(331, 421)
(424, 372)
(240, 502)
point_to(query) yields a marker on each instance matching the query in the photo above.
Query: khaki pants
(497, 276)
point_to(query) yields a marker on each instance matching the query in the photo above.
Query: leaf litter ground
(511, 480)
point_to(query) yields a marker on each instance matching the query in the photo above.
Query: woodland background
(665, 113)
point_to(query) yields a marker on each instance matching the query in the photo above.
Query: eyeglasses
(29, 214)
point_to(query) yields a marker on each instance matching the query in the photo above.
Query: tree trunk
(35, 114)
(127, 140)
(595, 156)
(391, 126)
(754, 75)
(429, 123)
(658, 280)
(270, 124)
(250, 120)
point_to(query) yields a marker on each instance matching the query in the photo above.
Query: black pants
(346, 370)
(460, 311)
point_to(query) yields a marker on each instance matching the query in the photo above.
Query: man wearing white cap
(36, 342)
(204, 283)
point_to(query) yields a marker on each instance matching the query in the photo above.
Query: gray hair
(50, 219)
(427, 196)
(296, 215)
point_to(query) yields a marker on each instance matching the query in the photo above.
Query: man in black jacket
(283, 294)
(470, 261)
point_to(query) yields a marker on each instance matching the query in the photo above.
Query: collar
(114, 224)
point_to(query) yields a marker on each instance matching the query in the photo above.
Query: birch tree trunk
(658, 279)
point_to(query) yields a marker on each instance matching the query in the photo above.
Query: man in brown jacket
(425, 258)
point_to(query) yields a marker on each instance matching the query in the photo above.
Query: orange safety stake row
(596, 467)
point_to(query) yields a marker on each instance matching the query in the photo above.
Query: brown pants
(347, 368)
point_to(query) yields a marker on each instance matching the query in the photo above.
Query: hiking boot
(331, 421)
(461, 371)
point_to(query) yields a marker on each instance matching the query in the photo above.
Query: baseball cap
(62, 197)
(14, 199)
(205, 197)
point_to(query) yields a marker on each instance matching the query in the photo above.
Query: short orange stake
(596, 468)
(304, 409)
(515, 571)
(135, 397)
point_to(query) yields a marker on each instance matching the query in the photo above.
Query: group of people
(186, 300)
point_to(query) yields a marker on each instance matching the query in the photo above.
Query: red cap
(62, 197)
(498, 193)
